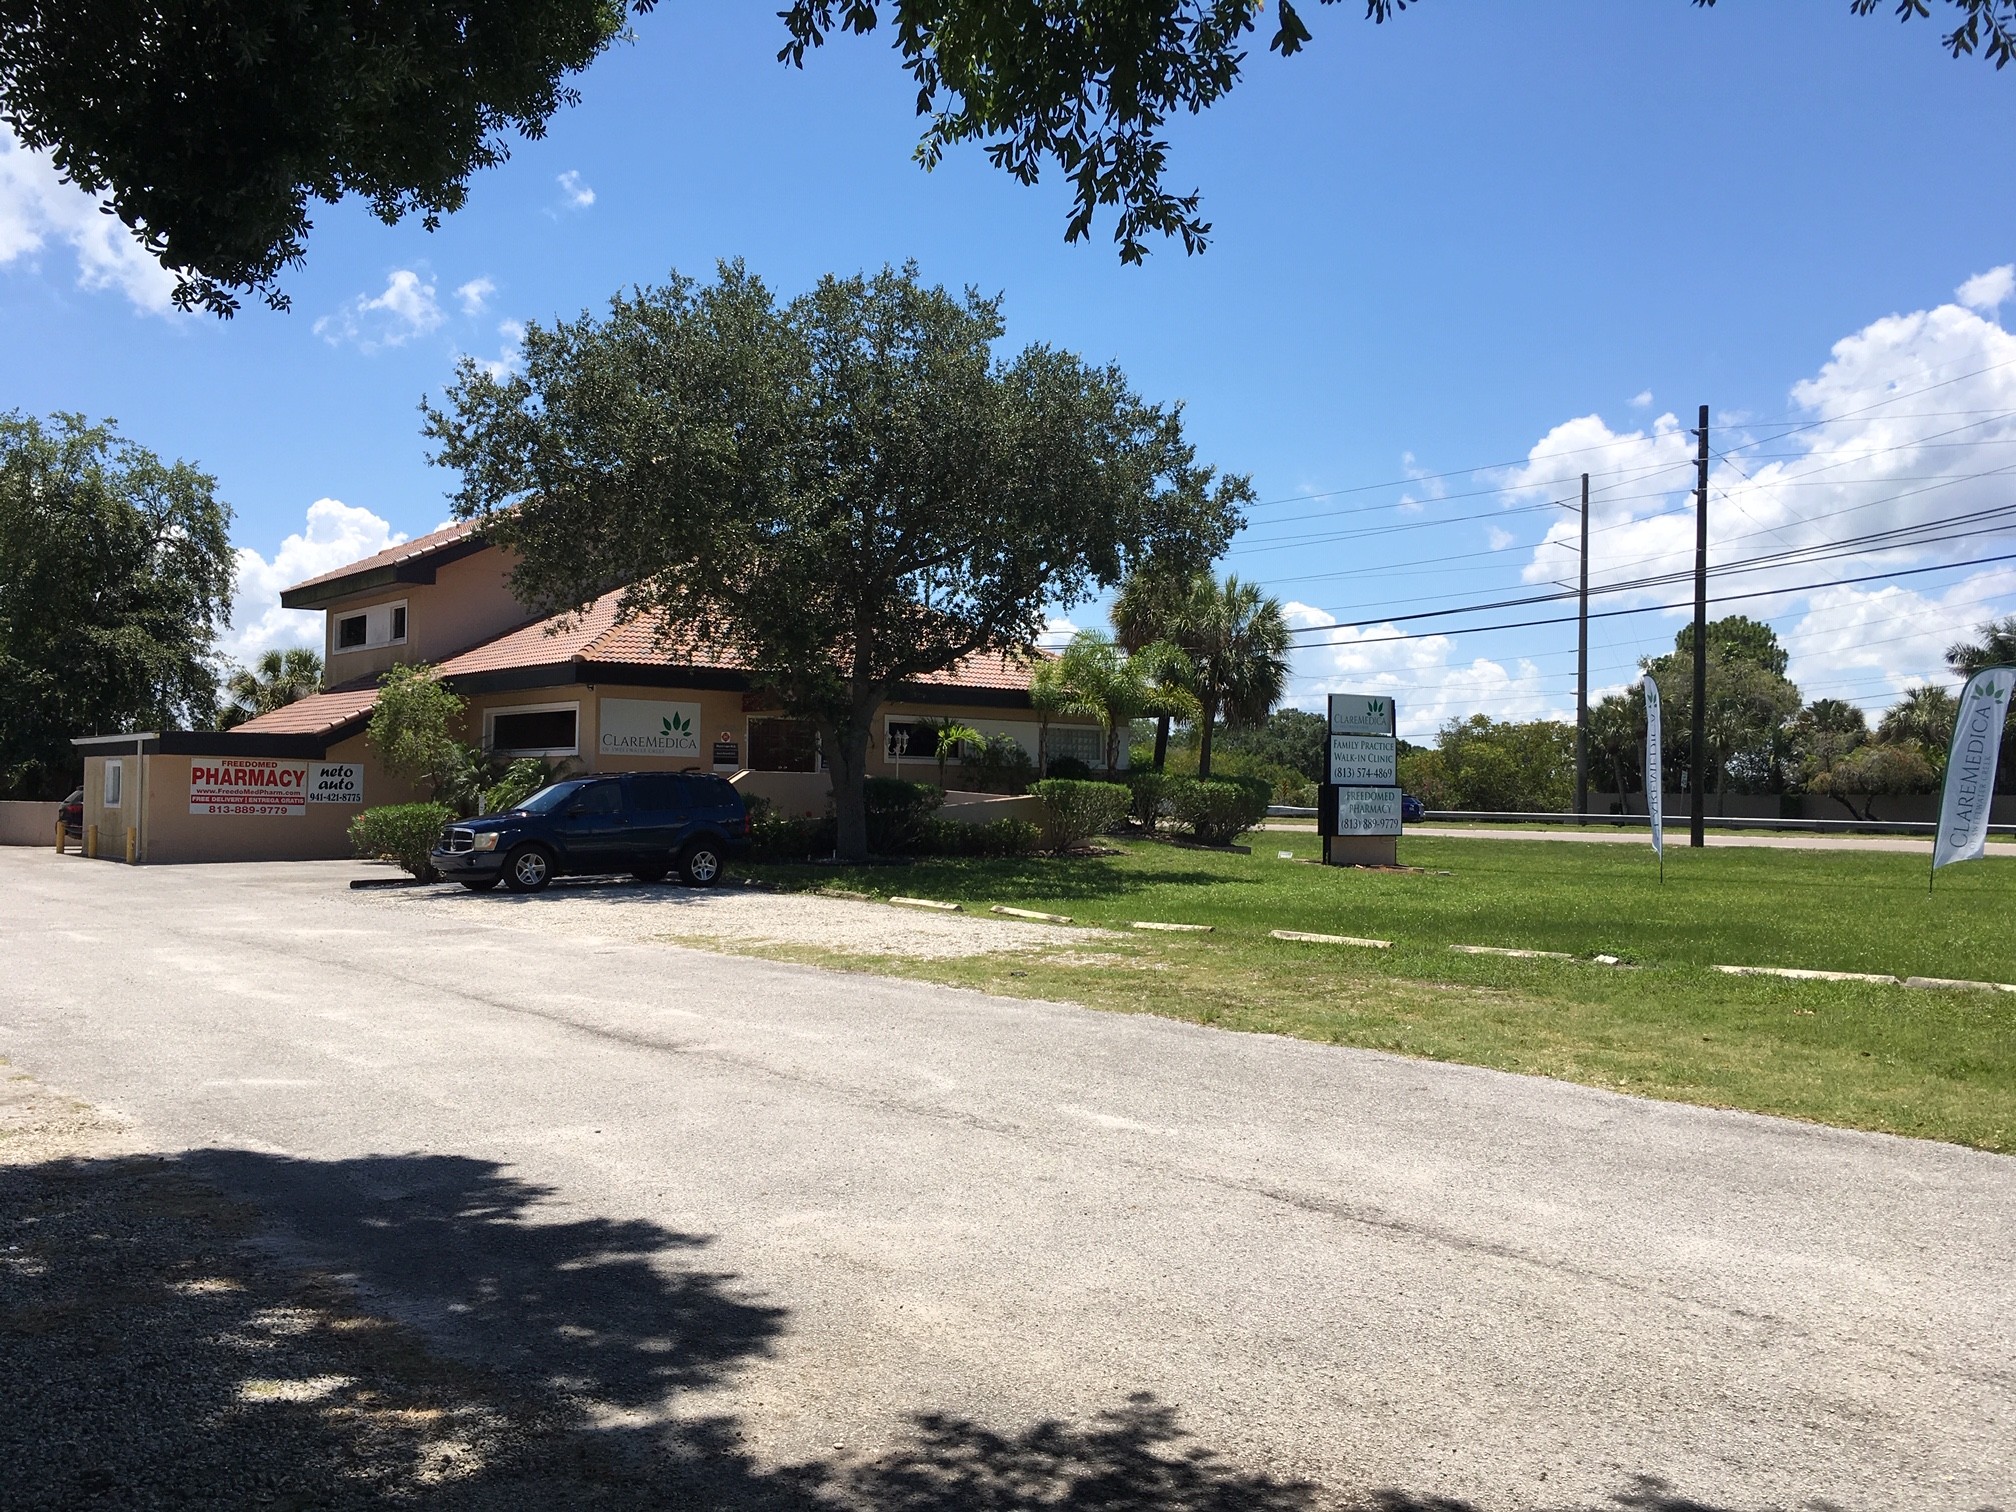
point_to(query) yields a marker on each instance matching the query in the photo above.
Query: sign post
(1358, 809)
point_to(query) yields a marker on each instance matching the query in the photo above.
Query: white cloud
(1428, 687)
(334, 535)
(1642, 399)
(510, 355)
(409, 307)
(1909, 426)
(1988, 292)
(475, 295)
(575, 194)
(1057, 630)
(37, 208)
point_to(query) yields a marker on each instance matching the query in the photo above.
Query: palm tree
(1924, 716)
(1116, 689)
(1237, 642)
(1996, 648)
(947, 735)
(275, 680)
(1150, 608)
(1049, 696)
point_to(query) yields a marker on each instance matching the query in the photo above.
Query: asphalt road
(703, 1196)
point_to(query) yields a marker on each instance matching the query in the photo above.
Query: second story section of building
(420, 601)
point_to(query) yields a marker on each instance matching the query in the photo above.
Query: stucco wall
(28, 823)
(468, 601)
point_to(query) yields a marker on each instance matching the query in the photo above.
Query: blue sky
(1477, 235)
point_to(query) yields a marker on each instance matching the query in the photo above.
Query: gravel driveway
(736, 915)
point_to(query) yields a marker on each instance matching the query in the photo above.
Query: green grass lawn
(1932, 1064)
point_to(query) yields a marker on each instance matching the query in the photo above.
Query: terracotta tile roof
(319, 712)
(596, 637)
(392, 556)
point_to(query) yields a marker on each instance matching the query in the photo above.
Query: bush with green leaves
(519, 780)
(1073, 812)
(1069, 769)
(998, 766)
(898, 812)
(1217, 810)
(998, 838)
(1151, 796)
(404, 833)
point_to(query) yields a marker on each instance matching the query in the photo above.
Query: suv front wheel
(700, 864)
(528, 869)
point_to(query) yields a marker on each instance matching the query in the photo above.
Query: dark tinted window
(399, 623)
(656, 793)
(783, 745)
(350, 632)
(599, 798)
(543, 730)
(710, 791)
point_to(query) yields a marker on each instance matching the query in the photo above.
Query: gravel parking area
(739, 916)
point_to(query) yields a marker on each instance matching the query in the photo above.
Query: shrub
(778, 837)
(519, 781)
(404, 833)
(999, 766)
(1151, 796)
(898, 812)
(1218, 810)
(996, 838)
(1069, 769)
(1073, 812)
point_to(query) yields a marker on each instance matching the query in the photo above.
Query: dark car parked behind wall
(643, 823)
(71, 812)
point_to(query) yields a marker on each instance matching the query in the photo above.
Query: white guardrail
(1675, 822)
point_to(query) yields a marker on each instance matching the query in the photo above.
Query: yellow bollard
(91, 841)
(132, 845)
(60, 837)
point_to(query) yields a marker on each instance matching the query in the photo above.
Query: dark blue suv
(644, 823)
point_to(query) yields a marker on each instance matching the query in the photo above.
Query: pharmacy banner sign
(1969, 789)
(248, 785)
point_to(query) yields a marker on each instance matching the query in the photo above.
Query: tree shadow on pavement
(427, 1331)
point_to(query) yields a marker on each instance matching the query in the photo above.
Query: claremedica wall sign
(650, 727)
(1968, 791)
(1362, 796)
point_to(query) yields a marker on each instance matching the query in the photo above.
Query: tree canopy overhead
(209, 125)
(847, 491)
(115, 578)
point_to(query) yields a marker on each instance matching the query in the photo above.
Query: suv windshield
(548, 800)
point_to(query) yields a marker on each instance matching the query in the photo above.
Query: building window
(783, 745)
(378, 625)
(544, 730)
(915, 740)
(115, 783)
(1079, 743)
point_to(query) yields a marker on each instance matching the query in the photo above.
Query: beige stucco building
(596, 693)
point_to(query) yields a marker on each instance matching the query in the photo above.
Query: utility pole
(1582, 670)
(1697, 759)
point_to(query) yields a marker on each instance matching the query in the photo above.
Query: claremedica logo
(1974, 749)
(644, 727)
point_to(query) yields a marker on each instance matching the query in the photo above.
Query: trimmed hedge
(898, 813)
(1217, 810)
(995, 838)
(1073, 812)
(1151, 795)
(404, 833)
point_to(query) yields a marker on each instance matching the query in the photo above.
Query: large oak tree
(848, 490)
(115, 579)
